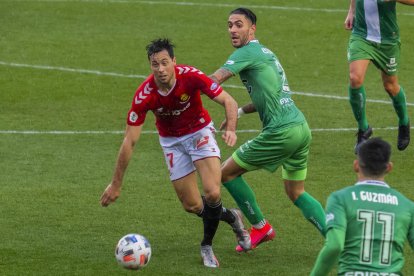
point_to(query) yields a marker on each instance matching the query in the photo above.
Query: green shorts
(385, 56)
(269, 150)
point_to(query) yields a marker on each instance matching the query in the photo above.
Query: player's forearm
(248, 108)
(351, 10)
(230, 106)
(221, 75)
(122, 162)
(324, 264)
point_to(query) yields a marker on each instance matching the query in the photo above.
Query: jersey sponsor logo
(142, 95)
(186, 69)
(369, 273)
(176, 112)
(230, 62)
(286, 101)
(184, 98)
(133, 117)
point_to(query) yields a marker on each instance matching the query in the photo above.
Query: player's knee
(195, 208)
(213, 196)
(355, 80)
(294, 189)
(391, 88)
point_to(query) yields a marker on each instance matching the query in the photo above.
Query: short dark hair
(246, 12)
(374, 156)
(158, 45)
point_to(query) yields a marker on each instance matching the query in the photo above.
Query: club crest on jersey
(202, 142)
(133, 117)
(184, 98)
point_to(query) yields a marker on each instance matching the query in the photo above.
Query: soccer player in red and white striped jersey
(187, 136)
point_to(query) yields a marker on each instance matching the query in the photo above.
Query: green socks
(245, 199)
(400, 107)
(312, 210)
(357, 98)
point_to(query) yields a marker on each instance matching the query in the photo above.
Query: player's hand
(110, 194)
(229, 137)
(349, 22)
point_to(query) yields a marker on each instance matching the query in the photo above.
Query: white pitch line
(214, 5)
(113, 74)
(100, 132)
(73, 70)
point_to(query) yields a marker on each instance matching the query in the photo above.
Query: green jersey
(377, 221)
(376, 20)
(265, 80)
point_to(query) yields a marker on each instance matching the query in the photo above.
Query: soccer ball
(133, 251)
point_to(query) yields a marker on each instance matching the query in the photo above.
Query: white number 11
(386, 221)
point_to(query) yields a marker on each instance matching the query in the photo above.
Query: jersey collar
(169, 91)
(372, 183)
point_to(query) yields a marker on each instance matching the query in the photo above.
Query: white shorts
(181, 152)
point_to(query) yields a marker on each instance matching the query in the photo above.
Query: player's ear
(356, 165)
(390, 166)
(252, 29)
(174, 61)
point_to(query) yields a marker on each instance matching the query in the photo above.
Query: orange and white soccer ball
(133, 251)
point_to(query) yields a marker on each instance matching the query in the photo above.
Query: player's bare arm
(230, 105)
(350, 17)
(221, 75)
(112, 191)
(248, 108)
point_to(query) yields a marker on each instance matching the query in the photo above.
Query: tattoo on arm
(221, 75)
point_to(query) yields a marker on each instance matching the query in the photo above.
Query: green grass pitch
(68, 71)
